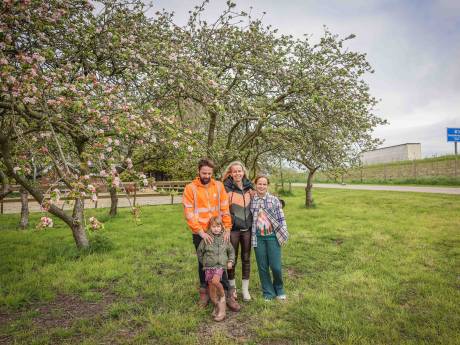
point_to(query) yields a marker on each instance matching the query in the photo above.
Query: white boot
(232, 284)
(245, 290)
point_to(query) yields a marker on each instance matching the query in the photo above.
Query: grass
(435, 171)
(363, 267)
(421, 181)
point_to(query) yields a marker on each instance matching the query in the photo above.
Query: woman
(239, 190)
(269, 233)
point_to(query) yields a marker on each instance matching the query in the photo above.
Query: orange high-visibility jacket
(201, 202)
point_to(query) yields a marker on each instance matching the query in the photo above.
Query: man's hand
(229, 265)
(226, 236)
(206, 238)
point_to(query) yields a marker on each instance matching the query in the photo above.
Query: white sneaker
(281, 297)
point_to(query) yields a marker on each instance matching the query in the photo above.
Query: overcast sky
(414, 47)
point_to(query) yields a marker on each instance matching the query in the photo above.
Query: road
(15, 207)
(437, 190)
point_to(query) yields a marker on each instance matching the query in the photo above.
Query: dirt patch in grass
(65, 309)
(232, 327)
(62, 312)
(293, 273)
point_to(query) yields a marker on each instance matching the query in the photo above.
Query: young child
(216, 258)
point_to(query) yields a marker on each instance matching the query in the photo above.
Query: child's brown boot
(221, 309)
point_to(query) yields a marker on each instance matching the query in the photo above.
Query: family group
(234, 216)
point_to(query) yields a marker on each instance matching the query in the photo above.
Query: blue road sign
(453, 134)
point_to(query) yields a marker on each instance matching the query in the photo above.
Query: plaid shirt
(272, 207)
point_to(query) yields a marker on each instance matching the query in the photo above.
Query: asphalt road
(438, 190)
(15, 207)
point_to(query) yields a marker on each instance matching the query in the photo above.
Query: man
(204, 198)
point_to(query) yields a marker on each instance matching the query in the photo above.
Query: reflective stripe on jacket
(201, 202)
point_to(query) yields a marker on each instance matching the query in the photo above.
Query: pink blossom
(103, 173)
(116, 181)
(94, 197)
(30, 100)
(3, 61)
(109, 149)
(45, 222)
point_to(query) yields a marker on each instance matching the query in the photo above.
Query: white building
(403, 152)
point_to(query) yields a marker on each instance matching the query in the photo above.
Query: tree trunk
(113, 201)
(75, 224)
(309, 188)
(78, 225)
(24, 222)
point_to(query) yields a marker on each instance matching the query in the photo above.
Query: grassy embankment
(361, 268)
(436, 171)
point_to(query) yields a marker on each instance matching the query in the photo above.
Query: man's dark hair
(205, 162)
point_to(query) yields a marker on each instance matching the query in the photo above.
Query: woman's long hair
(228, 170)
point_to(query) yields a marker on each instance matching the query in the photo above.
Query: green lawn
(363, 267)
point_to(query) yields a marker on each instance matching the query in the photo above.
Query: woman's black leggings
(244, 238)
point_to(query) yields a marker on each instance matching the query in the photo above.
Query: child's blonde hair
(215, 221)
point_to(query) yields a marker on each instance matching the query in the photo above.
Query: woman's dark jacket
(240, 200)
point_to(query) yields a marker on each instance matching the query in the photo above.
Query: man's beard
(205, 180)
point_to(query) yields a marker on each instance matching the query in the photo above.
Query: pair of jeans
(268, 257)
(196, 242)
(242, 238)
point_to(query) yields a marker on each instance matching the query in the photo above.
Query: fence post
(1, 206)
(97, 199)
(172, 199)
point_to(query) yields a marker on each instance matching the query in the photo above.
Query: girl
(215, 258)
(239, 190)
(269, 233)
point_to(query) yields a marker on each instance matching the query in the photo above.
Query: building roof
(387, 147)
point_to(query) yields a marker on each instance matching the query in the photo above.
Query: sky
(413, 46)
